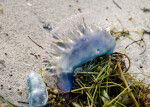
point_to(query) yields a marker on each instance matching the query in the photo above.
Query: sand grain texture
(23, 18)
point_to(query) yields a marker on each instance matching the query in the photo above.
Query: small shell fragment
(1, 10)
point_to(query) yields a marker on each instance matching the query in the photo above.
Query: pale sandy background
(23, 18)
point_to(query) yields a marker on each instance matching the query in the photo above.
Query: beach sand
(21, 19)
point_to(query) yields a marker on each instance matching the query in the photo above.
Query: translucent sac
(38, 95)
(84, 50)
(75, 41)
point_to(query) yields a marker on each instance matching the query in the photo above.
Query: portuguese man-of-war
(75, 41)
(38, 95)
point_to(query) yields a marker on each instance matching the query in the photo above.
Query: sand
(22, 19)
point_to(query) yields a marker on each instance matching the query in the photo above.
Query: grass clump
(104, 82)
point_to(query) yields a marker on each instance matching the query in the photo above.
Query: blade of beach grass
(79, 89)
(86, 91)
(94, 94)
(104, 96)
(110, 102)
(121, 40)
(100, 73)
(7, 102)
(131, 94)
